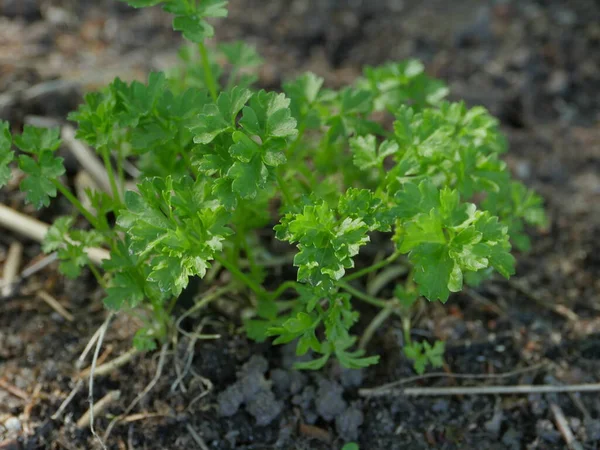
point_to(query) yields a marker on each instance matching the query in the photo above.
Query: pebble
(329, 401)
(12, 424)
(347, 424)
(351, 377)
(264, 407)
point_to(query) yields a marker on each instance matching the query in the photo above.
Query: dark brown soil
(534, 64)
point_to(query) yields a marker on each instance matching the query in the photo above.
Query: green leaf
(39, 184)
(174, 229)
(366, 153)
(422, 354)
(141, 3)
(6, 153)
(314, 364)
(432, 270)
(248, 178)
(193, 28)
(362, 204)
(37, 141)
(220, 117)
(240, 54)
(268, 116)
(124, 290)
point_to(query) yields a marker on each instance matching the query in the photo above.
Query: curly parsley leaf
(71, 245)
(327, 244)
(445, 239)
(368, 155)
(175, 229)
(190, 17)
(43, 169)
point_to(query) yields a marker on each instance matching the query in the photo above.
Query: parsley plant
(220, 162)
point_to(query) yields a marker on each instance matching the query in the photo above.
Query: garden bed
(534, 66)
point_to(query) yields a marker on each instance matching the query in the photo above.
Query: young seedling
(219, 161)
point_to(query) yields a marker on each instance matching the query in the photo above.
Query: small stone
(264, 407)
(251, 384)
(297, 381)
(347, 424)
(281, 381)
(257, 364)
(12, 424)
(329, 401)
(230, 400)
(351, 377)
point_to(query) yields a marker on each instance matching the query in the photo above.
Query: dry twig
(36, 230)
(482, 390)
(563, 427)
(141, 395)
(108, 367)
(395, 385)
(11, 267)
(87, 158)
(56, 306)
(99, 406)
(13, 390)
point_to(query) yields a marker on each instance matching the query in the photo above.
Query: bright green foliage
(517, 206)
(175, 234)
(71, 245)
(398, 84)
(423, 354)
(439, 231)
(42, 168)
(190, 16)
(218, 163)
(242, 155)
(6, 154)
(326, 243)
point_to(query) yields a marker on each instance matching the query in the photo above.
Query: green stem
(376, 266)
(282, 288)
(111, 176)
(97, 275)
(77, 204)
(362, 296)
(188, 163)
(208, 75)
(254, 269)
(285, 191)
(291, 149)
(241, 276)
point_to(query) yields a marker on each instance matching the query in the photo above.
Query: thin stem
(241, 276)
(284, 191)
(377, 321)
(362, 296)
(254, 269)
(282, 288)
(111, 176)
(77, 204)
(208, 75)
(188, 163)
(97, 275)
(377, 266)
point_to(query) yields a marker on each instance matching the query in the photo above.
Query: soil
(534, 64)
